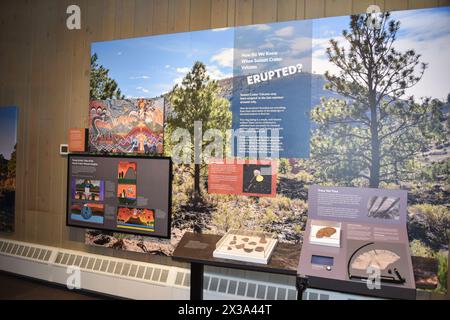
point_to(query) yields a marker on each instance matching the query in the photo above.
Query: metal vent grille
(114, 267)
(248, 289)
(93, 263)
(217, 285)
(25, 251)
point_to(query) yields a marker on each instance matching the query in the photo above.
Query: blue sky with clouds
(150, 66)
(427, 31)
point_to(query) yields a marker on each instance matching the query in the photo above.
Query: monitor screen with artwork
(130, 194)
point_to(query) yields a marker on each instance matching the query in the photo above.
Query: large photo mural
(8, 144)
(351, 105)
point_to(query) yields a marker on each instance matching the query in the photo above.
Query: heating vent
(36, 253)
(95, 263)
(148, 280)
(317, 294)
(116, 267)
(241, 288)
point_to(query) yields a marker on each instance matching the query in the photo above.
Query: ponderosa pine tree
(198, 98)
(376, 130)
(102, 87)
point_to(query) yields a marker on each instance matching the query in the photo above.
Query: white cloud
(320, 62)
(219, 29)
(300, 44)
(260, 27)
(164, 87)
(428, 33)
(167, 66)
(285, 32)
(178, 80)
(267, 45)
(224, 58)
(435, 82)
(183, 70)
(142, 89)
(216, 74)
(119, 53)
(212, 71)
(139, 77)
(424, 24)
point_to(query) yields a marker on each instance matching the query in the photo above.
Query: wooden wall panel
(179, 15)
(300, 9)
(45, 72)
(143, 14)
(108, 19)
(231, 14)
(160, 16)
(219, 13)
(337, 7)
(286, 10)
(396, 5)
(200, 14)
(244, 12)
(264, 11)
(314, 9)
(124, 18)
(423, 3)
(362, 5)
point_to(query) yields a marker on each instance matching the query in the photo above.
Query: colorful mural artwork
(136, 219)
(129, 125)
(88, 212)
(87, 189)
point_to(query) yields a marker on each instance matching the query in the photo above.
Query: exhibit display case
(248, 246)
(362, 247)
(248, 136)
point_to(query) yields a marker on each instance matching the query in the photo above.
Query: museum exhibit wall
(44, 71)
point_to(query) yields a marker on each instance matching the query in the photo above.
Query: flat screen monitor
(129, 194)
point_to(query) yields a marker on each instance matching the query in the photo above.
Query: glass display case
(248, 246)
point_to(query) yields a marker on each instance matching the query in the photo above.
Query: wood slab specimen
(325, 232)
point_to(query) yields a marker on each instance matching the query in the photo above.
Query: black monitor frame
(125, 156)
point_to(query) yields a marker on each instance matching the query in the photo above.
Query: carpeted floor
(18, 288)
